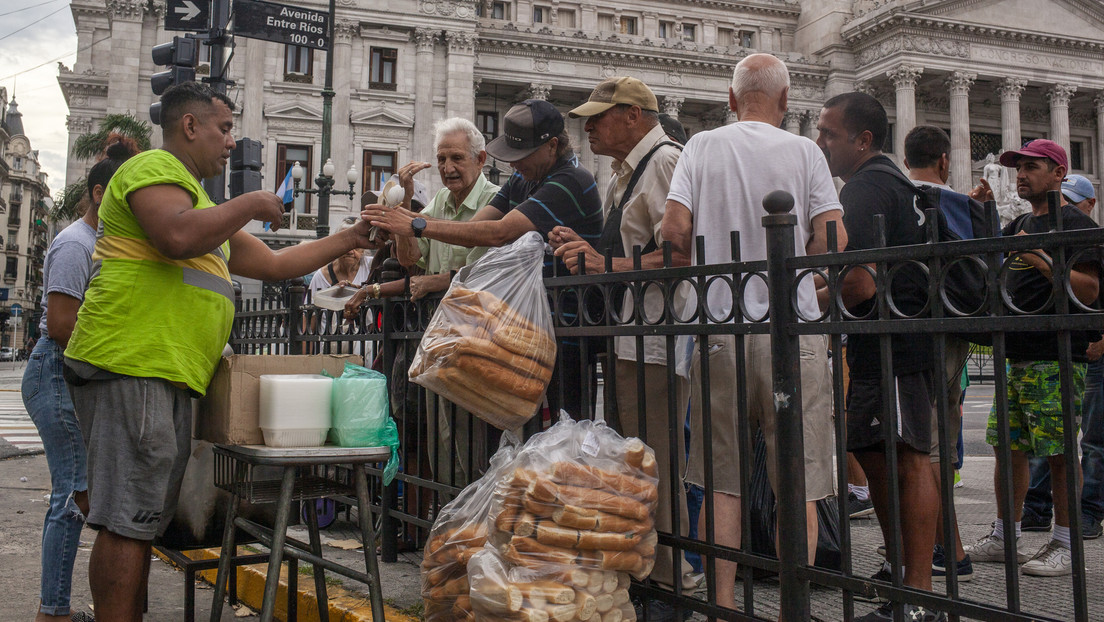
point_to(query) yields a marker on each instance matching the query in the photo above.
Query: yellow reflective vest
(144, 314)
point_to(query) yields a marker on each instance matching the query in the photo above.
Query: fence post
(295, 321)
(790, 453)
(389, 526)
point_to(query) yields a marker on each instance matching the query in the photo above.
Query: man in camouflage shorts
(1035, 415)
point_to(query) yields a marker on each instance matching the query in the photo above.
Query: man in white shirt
(622, 121)
(718, 187)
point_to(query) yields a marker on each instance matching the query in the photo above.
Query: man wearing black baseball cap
(1035, 412)
(548, 189)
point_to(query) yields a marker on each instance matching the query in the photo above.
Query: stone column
(424, 40)
(766, 39)
(958, 83)
(1098, 104)
(1059, 97)
(126, 53)
(792, 121)
(1010, 90)
(253, 96)
(461, 72)
(904, 79)
(343, 150)
(539, 90)
(811, 118)
(672, 104)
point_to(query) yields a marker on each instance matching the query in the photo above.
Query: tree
(67, 204)
(88, 146)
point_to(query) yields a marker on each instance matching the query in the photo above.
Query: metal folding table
(306, 474)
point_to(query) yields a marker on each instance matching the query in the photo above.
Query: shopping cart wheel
(324, 509)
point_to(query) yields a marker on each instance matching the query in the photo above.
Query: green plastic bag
(361, 414)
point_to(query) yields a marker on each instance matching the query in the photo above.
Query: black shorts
(915, 409)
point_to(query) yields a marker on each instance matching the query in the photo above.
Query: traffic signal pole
(220, 19)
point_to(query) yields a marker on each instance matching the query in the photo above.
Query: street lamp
(325, 184)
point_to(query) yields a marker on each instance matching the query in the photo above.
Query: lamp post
(325, 188)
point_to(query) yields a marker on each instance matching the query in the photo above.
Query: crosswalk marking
(15, 426)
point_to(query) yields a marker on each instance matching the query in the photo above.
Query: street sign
(282, 23)
(190, 15)
(3, 293)
(16, 309)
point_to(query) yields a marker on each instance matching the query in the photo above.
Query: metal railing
(387, 332)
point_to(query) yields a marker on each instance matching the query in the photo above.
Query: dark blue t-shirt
(567, 196)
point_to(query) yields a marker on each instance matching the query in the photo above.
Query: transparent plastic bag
(361, 414)
(458, 533)
(579, 497)
(489, 347)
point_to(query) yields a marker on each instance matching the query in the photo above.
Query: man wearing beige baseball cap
(622, 121)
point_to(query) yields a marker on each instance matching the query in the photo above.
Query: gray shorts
(138, 432)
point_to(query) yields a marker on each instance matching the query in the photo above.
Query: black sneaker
(964, 568)
(858, 508)
(882, 575)
(919, 614)
(82, 616)
(1033, 522)
(1090, 529)
(659, 611)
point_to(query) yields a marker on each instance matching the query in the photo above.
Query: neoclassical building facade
(991, 72)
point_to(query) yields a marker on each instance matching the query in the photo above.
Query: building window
(605, 22)
(747, 38)
(16, 195)
(379, 166)
(628, 26)
(542, 14)
(725, 37)
(286, 157)
(666, 30)
(487, 122)
(298, 61)
(565, 18)
(689, 32)
(500, 10)
(982, 144)
(383, 69)
(1077, 156)
(17, 163)
(11, 269)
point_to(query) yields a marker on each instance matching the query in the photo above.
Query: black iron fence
(447, 448)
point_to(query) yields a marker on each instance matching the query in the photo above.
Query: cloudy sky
(34, 36)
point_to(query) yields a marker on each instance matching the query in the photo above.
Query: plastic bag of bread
(489, 347)
(578, 506)
(460, 530)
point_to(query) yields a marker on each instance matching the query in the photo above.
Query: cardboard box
(230, 412)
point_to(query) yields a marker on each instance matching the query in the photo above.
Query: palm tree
(88, 146)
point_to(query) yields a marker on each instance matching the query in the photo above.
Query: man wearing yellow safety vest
(153, 326)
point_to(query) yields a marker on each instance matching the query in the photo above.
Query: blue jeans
(47, 400)
(1038, 500)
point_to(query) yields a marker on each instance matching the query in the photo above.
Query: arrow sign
(189, 15)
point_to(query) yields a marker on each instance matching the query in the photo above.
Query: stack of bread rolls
(484, 356)
(445, 571)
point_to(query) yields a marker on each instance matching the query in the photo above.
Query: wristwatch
(418, 225)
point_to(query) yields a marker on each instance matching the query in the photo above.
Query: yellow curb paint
(345, 606)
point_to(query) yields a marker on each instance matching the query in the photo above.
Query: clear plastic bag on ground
(489, 347)
(361, 414)
(458, 533)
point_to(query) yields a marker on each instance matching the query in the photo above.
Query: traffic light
(180, 57)
(245, 167)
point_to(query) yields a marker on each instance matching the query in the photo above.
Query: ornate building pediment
(382, 117)
(293, 111)
(1066, 18)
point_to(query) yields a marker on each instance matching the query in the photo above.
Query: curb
(345, 606)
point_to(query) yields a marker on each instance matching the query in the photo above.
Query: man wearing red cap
(1032, 360)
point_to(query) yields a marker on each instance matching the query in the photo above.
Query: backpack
(960, 218)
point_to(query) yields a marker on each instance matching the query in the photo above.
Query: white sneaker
(991, 549)
(1053, 560)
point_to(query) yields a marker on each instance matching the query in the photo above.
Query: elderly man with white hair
(718, 187)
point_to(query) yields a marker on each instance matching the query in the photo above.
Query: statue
(1002, 181)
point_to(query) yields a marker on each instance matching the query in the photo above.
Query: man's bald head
(760, 73)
